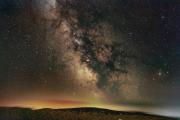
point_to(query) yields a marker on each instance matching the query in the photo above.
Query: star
(160, 73)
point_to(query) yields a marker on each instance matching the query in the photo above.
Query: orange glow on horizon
(45, 104)
(63, 104)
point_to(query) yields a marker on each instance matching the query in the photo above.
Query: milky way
(106, 52)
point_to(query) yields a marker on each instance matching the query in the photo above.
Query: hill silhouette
(7, 113)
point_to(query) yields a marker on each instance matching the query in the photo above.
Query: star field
(107, 52)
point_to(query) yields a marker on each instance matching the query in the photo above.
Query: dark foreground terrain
(73, 114)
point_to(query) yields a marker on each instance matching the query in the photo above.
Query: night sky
(117, 54)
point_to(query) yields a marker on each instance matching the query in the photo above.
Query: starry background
(65, 53)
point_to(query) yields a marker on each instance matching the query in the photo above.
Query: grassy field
(73, 114)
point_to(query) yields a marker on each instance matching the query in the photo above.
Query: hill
(73, 114)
